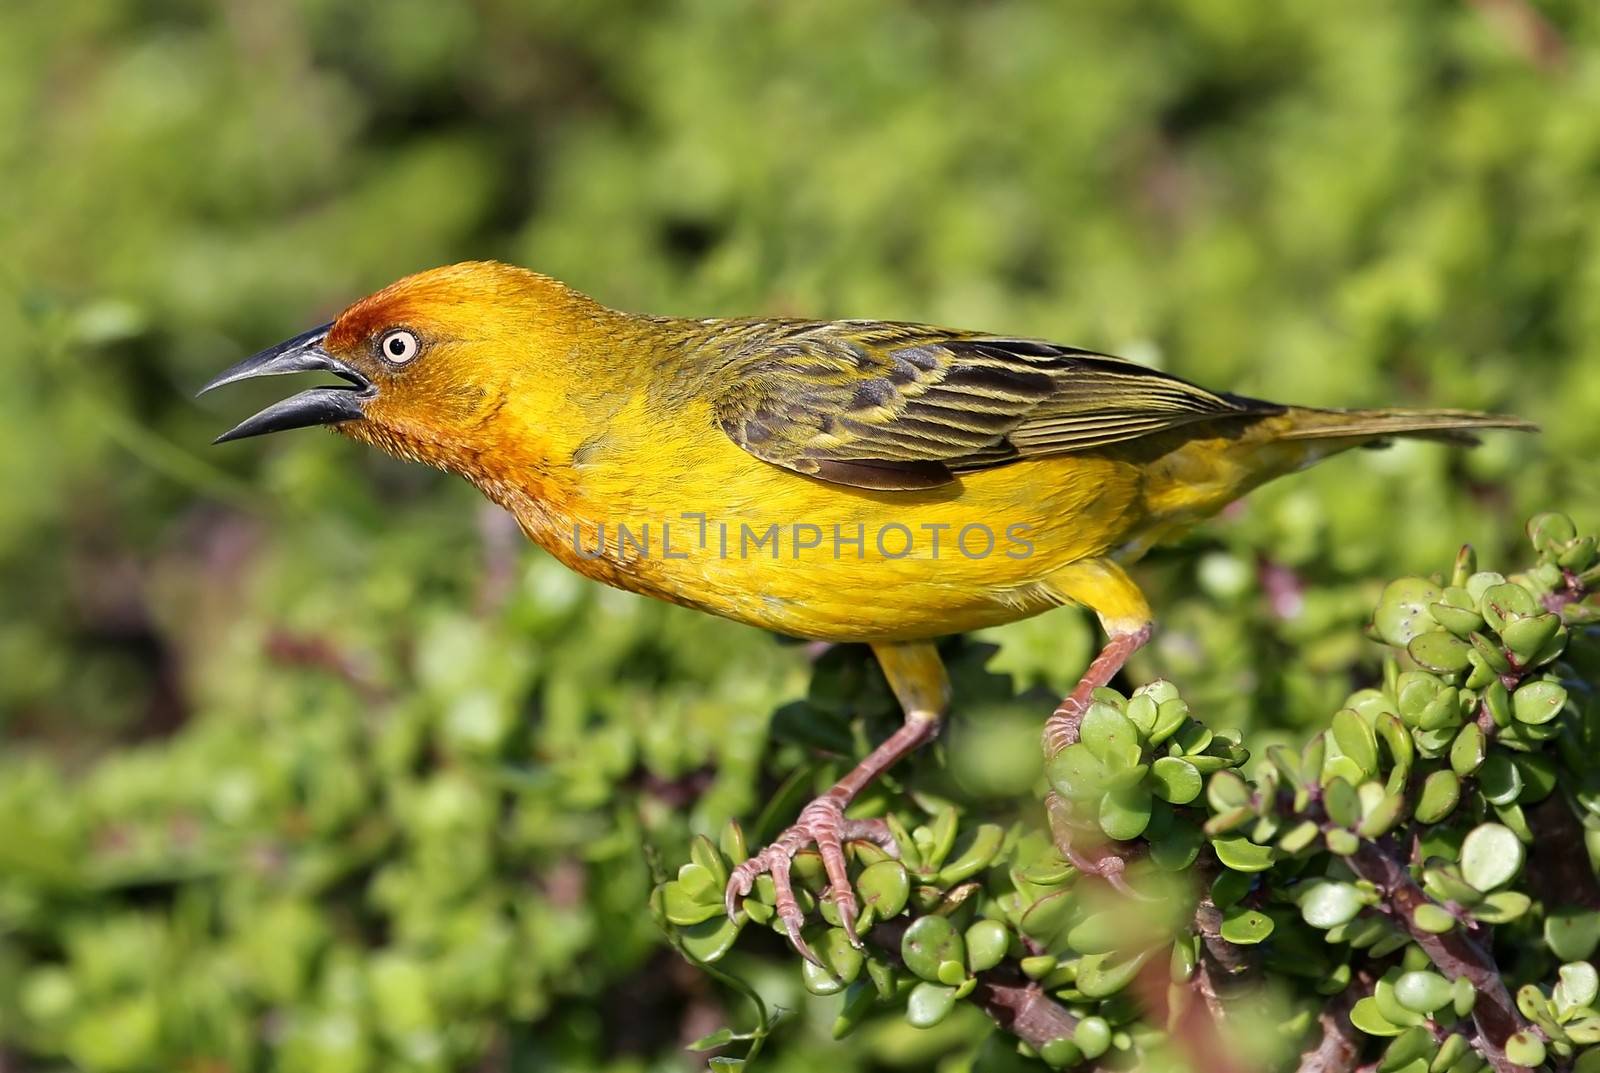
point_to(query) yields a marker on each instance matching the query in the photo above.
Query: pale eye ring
(399, 346)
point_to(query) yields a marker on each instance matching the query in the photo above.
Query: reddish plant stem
(1572, 591)
(1561, 874)
(1454, 953)
(1021, 1008)
(1228, 961)
(1339, 1050)
(1012, 1001)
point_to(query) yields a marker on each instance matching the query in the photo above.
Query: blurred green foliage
(307, 763)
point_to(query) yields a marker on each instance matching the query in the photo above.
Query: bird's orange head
(430, 363)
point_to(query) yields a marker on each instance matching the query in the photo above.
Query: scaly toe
(739, 886)
(822, 824)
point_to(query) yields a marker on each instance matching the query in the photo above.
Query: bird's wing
(904, 406)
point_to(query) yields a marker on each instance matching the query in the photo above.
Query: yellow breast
(685, 515)
(669, 507)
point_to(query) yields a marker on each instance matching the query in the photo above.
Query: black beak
(315, 406)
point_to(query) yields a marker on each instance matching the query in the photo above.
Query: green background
(307, 763)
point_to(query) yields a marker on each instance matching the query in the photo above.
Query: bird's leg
(1103, 586)
(917, 676)
(1061, 729)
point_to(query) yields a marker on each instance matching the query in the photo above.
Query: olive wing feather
(904, 406)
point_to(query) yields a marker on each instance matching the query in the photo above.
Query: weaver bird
(901, 482)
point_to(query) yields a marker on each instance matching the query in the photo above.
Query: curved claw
(738, 887)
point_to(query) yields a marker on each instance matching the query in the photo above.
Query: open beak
(314, 406)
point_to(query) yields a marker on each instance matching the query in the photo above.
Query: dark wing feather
(904, 406)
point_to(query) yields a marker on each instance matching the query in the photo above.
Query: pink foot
(822, 823)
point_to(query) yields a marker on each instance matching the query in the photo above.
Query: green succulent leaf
(1468, 750)
(1060, 1053)
(1527, 637)
(1356, 740)
(974, 850)
(1506, 603)
(1172, 715)
(1230, 887)
(987, 942)
(1175, 842)
(1366, 1016)
(1343, 843)
(929, 942)
(1243, 855)
(1343, 804)
(935, 841)
(1124, 814)
(1411, 1049)
(710, 939)
(699, 882)
(1175, 780)
(860, 999)
(1111, 736)
(1578, 987)
(1100, 933)
(1300, 837)
(685, 906)
(1461, 621)
(1443, 653)
(1502, 907)
(885, 886)
(1327, 904)
(929, 1003)
(1433, 919)
(1540, 775)
(1525, 1049)
(1093, 1037)
(732, 843)
(1441, 792)
(1076, 773)
(1049, 917)
(1226, 790)
(1103, 975)
(1572, 933)
(1382, 816)
(1549, 531)
(1451, 1052)
(1245, 927)
(1499, 778)
(1538, 702)
(1491, 856)
(1037, 966)
(1389, 1004)
(1492, 655)
(1423, 991)
(1403, 610)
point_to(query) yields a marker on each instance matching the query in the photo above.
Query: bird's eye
(399, 346)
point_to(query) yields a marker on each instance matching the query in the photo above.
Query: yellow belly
(697, 521)
(802, 557)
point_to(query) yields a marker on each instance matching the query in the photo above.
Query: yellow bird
(847, 481)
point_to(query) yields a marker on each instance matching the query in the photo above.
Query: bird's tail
(1202, 477)
(1374, 427)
